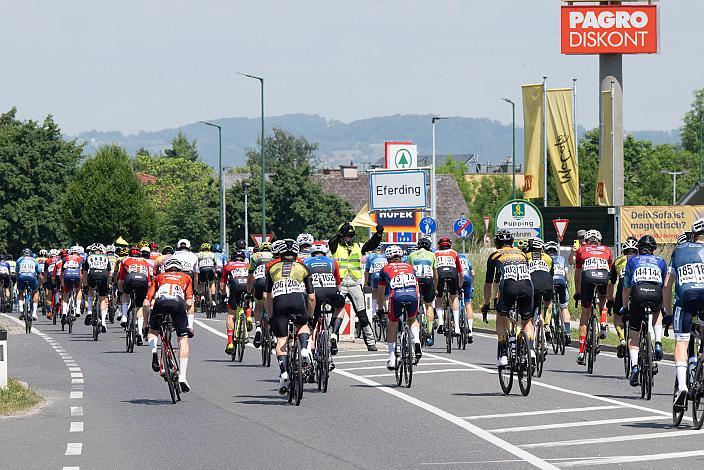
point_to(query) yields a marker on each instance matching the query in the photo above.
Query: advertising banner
(605, 180)
(664, 223)
(561, 145)
(604, 29)
(396, 189)
(397, 221)
(533, 140)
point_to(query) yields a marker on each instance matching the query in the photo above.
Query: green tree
(105, 200)
(295, 202)
(690, 132)
(35, 165)
(181, 147)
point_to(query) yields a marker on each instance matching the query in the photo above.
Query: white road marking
(76, 374)
(578, 424)
(76, 426)
(361, 361)
(544, 412)
(631, 458)
(606, 440)
(384, 367)
(77, 381)
(74, 448)
(344, 356)
(72, 468)
(74, 369)
(415, 372)
(76, 411)
(76, 394)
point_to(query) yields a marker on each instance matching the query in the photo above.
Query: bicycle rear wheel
(554, 331)
(408, 357)
(646, 366)
(678, 414)
(291, 369)
(524, 365)
(71, 317)
(265, 343)
(27, 318)
(241, 336)
(400, 363)
(323, 349)
(697, 395)
(591, 344)
(540, 351)
(167, 369)
(299, 376)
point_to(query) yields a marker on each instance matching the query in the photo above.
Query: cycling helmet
(26, 252)
(81, 250)
(73, 250)
(183, 244)
(593, 236)
(123, 251)
(265, 246)
(173, 264)
(535, 244)
(552, 248)
(239, 255)
(631, 244)
(647, 244)
(503, 237)
(305, 239)
(43, 253)
(393, 251)
(347, 230)
(684, 237)
(134, 250)
(154, 246)
(53, 252)
(698, 226)
(411, 248)
(167, 250)
(444, 243)
(241, 244)
(319, 247)
(217, 248)
(285, 247)
(110, 248)
(425, 242)
(522, 245)
(145, 251)
(99, 247)
(205, 247)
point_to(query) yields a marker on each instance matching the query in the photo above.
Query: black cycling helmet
(503, 237)
(167, 250)
(239, 255)
(647, 244)
(241, 245)
(347, 230)
(425, 243)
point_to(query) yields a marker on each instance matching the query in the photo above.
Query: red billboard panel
(609, 29)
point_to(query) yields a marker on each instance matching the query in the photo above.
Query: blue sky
(132, 65)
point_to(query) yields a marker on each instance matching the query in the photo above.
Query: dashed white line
(606, 440)
(76, 411)
(415, 372)
(76, 374)
(71, 468)
(76, 394)
(631, 458)
(384, 367)
(76, 381)
(74, 369)
(76, 426)
(74, 448)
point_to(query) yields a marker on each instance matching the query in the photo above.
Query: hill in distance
(361, 141)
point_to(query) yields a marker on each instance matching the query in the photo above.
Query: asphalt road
(106, 409)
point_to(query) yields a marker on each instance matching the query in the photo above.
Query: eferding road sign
(428, 225)
(560, 227)
(394, 189)
(463, 227)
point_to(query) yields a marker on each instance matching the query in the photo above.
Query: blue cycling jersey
(644, 268)
(27, 267)
(375, 263)
(467, 269)
(559, 270)
(687, 264)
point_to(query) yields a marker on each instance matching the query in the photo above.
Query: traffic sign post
(463, 227)
(560, 227)
(428, 225)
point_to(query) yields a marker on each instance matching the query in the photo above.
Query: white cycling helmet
(698, 226)
(536, 244)
(110, 248)
(173, 264)
(552, 247)
(53, 252)
(81, 250)
(393, 251)
(305, 239)
(43, 253)
(284, 247)
(593, 235)
(73, 250)
(630, 244)
(183, 243)
(319, 247)
(682, 238)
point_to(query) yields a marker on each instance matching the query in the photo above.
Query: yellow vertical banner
(605, 180)
(561, 145)
(533, 141)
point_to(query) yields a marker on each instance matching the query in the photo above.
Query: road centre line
(577, 424)
(76, 426)
(606, 440)
(74, 448)
(543, 412)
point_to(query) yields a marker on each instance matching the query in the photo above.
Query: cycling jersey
(645, 276)
(289, 283)
(257, 269)
(28, 271)
(13, 267)
(468, 273)
(71, 271)
(169, 292)
(206, 261)
(447, 263)
(220, 261)
(97, 263)
(404, 288)
(508, 267)
(304, 254)
(541, 272)
(595, 263)
(374, 264)
(325, 277)
(188, 259)
(559, 270)
(235, 273)
(423, 262)
(5, 272)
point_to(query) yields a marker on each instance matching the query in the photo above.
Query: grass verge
(15, 398)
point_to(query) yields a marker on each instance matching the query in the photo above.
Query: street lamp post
(674, 174)
(513, 153)
(433, 183)
(261, 82)
(222, 184)
(246, 214)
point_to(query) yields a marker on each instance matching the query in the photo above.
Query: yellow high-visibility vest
(349, 260)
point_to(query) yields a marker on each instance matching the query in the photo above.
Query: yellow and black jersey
(540, 267)
(507, 263)
(618, 269)
(287, 277)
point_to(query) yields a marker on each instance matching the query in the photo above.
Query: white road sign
(397, 190)
(521, 218)
(401, 156)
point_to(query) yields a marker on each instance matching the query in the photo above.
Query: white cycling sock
(123, 309)
(191, 317)
(440, 313)
(373, 304)
(658, 333)
(183, 367)
(21, 302)
(34, 308)
(456, 317)
(634, 356)
(392, 347)
(90, 303)
(152, 344)
(681, 374)
(103, 314)
(416, 334)
(470, 323)
(140, 325)
(64, 308)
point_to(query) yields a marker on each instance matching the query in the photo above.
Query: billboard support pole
(545, 144)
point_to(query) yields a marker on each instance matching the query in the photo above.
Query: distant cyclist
(468, 294)
(28, 277)
(423, 262)
(449, 269)
(629, 248)
(559, 281)
(305, 242)
(233, 287)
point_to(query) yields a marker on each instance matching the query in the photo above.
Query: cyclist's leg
(180, 322)
(392, 331)
(154, 330)
(230, 323)
(35, 298)
(506, 297)
(682, 325)
(455, 302)
(586, 302)
(635, 316)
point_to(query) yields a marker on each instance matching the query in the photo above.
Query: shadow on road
(148, 401)
(262, 400)
(482, 394)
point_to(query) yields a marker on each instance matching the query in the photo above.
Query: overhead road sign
(428, 225)
(394, 189)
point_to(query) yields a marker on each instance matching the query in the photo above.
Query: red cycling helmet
(444, 243)
(154, 246)
(134, 251)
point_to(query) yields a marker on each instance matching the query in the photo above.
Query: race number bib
(26, 268)
(465, 265)
(187, 266)
(138, 268)
(423, 270)
(170, 291)
(4, 270)
(206, 263)
(690, 273)
(558, 270)
(595, 264)
(98, 262)
(260, 272)
(323, 280)
(70, 264)
(401, 281)
(647, 274)
(286, 286)
(538, 265)
(516, 272)
(377, 267)
(445, 262)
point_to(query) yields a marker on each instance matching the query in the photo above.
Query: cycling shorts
(174, 307)
(98, 280)
(71, 282)
(541, 295)
(27, 281)
(467, 290)
(137, 283)
(205, 275)
(451, 284)
(590, 279)
(258, 287)
(562, 294)
(692, 301)
(329, 295)
(520, 292)
(426, 288)
(396, 301)
(287, 306)
(5, 280)
(237, 292)
(642, 295)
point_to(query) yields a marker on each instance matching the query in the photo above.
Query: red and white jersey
(593, 258)
(134, 264)
(235, 272)
(400, 277)
(171, 286)
(447, 262)
(50, 264)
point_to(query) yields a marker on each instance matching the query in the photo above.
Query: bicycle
(463, 337)
(266, 340)
(627, 357)
(557, 327)
(240, 337)
(380, 323)
(449, 323)
(207, 306)
(592, 340)
(42, 300)
(695, 377)
(539, 342)
(424, 323)
(645, 355)
(294, 365)
(405, 359)
(168, 363)
(519, 357)
(131, 327)
(95, 323)
(71, 317)
(322, 347)
(27, 309)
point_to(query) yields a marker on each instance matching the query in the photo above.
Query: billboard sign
(609, 29)
(397, 221)
(400, 155)
(397, 190)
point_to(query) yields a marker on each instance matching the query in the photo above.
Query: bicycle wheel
(562, 338)
(697, 395)
(400, 363)
(384, 325)
(265, 343)
(377, 328)
(324, 351)
(27, 318)
(55, 313)
(241, 336)
(299, 376)
(506, 374)
(591, 344)
(167, 369)
(95, 325)
(71, 316)
(408, 357)
(290, 368)
(524, 365)
(554, 328)
(540, 351)
(677, 415)
(646, 366)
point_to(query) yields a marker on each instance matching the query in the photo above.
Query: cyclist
(404, 289)
(642, 284)
(154, 252)
(71, 280)
(171, 293)
(5, 276)
(135, 275)
(373, 265)
(206, 271)
(48, 281)
(559, 282)
(189, 265)
(423, 262)
(96, 273)
(449, 270)
(234, 280)
(166, 253)
(305, 242)
(288, 295)
(507, 268)
(256, 284)
(629, 248)
(686, 273)
(28, 276)
(592, 265)
(410, 248)
(325, 277)
(348, 255)
(13, 273)
(220, 261)
(467, 294)
(541, 272)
